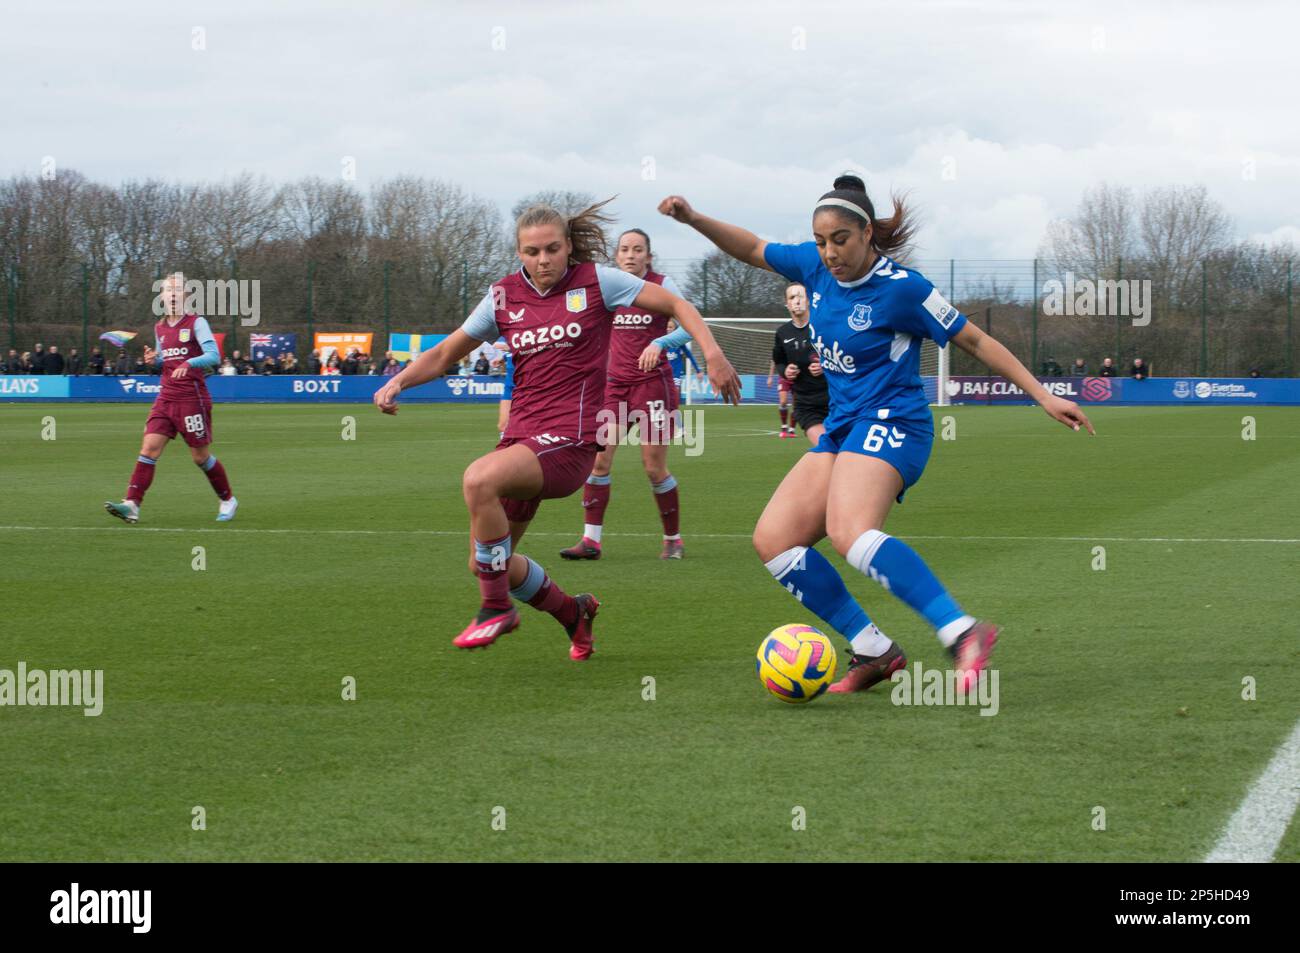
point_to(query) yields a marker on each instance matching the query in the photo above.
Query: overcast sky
(994, 115)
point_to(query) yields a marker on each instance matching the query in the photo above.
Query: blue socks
(897, 567)
(812, 580)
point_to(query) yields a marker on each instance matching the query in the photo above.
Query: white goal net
(748, 344)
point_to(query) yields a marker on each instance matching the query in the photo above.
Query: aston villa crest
(576, 300)
(185, 335)
(860, 319)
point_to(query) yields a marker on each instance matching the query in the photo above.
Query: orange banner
(343, 341)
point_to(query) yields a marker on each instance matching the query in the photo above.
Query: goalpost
(748, 344)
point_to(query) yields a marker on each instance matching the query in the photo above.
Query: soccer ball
(796, 663)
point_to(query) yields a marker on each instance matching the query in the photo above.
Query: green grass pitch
(1119, 689)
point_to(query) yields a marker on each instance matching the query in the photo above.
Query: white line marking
(1254, 831)
(457, 532)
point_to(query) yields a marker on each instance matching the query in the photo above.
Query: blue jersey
(509, 392)
(677, 358)
(867, 333)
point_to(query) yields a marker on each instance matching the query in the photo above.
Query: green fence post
(13, 307)
(1290, 326)
(388, 311)
(464, 289)
(988, 320)
(1033, 348)
(705, 304)
(1119, 321)
(85, 306)
(311, 334)
(234, 312)
(1204, 322)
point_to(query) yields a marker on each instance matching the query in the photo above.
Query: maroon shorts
(566, 464)
(192, 419)
(647, 404)
(783, 385)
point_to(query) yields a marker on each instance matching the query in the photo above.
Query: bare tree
(565, 202)
(1102, 232)
(725, 286)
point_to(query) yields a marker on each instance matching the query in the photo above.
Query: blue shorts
(903, 444)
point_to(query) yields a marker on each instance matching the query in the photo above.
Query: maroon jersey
(177, 344)
(560, 343)
(634, 329)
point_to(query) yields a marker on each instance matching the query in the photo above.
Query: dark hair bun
(851, 182)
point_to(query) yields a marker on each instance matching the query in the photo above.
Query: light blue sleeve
(203, 334)
(157, 351)
(673, 339)
(796, 262)
(481, 324)
(617, 287)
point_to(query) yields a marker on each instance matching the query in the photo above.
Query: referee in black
(794, 357)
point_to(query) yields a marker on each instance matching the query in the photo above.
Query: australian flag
(271, 345)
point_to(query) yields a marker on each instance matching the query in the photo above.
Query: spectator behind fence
(122, 366)
(1051, 368)
(1254, 372)
(1079, 368)
(332, 365)
(1140, 371)
(313, 363)
(96, 363)
(289, 364)
(391, 365)
(13, 363)
(37, 363)
(242, 364)
(227, 368)
(54, 362)
(348, 366)
(269, 366)
(1107, 368)
(76, 366)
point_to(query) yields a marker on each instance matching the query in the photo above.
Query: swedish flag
(407, 346)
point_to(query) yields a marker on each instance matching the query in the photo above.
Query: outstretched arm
(429, 365)
(741, 244)
(1002, 362)
(721, 374)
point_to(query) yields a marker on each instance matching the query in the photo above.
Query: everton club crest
(860, 319)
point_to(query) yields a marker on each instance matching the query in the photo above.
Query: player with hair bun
(556, 314)
(869, 314)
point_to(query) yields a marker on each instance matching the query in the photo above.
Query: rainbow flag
(117, 337)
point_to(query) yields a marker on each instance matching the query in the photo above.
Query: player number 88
(194, 423)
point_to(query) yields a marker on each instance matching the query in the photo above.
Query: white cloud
(1033, 104)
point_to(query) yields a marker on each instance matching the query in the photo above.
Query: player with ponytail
(555, 313)
(869, 314)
